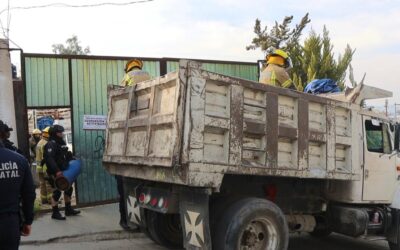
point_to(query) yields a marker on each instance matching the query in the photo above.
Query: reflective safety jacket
(276, 75)
(41, 166)
(134, 76)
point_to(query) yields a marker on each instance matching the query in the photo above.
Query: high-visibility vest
(135, 76)
(275, 75)
(39, 156)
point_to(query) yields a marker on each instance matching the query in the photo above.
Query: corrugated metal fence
(80, 82)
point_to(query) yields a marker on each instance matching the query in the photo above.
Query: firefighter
(134, 73)
(278, 62)
(16, 187)
(45, 188)
(33, 141)
(57, 157)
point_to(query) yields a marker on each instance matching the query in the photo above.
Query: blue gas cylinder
(69, 175)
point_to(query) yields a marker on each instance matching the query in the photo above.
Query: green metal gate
(80, 83)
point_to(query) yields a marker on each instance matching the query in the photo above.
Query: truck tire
(165, 229)
(253, 223)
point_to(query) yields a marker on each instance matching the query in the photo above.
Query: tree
(72, 47)
(313, 59)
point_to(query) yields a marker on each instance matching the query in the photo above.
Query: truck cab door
(380, 178)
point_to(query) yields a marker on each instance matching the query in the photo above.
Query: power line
(65, 5)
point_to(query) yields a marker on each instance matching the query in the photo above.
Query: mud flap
(393, 234)
(193, 209)
(134, 215)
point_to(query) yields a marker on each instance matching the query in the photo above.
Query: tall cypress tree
(313, 59)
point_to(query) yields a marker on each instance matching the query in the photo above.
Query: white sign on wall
(94, 122)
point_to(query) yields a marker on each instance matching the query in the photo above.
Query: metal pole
(386, 106)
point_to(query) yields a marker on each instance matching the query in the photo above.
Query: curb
(102, 236)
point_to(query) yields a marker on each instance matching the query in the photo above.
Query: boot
(69, 211)
(56, 214)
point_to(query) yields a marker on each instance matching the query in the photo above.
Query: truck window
(378, 139)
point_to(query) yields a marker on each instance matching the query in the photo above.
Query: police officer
(57, 157)
(5, 136)
(16, 186)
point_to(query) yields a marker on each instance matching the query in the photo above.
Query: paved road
(139, 242)
(334, 242)
(97, 228)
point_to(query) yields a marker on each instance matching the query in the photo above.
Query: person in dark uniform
(5, 136)
(122, 208)
(57, 157)
(16, 186)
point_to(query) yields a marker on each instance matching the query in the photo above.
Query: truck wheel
(252, 223)
(165, 229)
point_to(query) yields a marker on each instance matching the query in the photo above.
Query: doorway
(39, 119)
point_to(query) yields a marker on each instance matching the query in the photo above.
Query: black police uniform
(56, 158)
(16, 185)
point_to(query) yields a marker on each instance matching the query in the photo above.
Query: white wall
(7, 109)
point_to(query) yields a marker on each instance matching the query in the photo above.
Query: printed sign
(94, 122)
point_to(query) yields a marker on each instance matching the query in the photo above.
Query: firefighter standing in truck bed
(134, 73)
(278, 62)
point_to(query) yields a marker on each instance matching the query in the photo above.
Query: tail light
(270, 192)
(142, 197)
(153, 202)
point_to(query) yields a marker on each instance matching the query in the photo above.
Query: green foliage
(280, 36)
(314, 59)
(72, 47)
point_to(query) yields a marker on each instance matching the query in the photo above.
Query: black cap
(4, 127)
(55, 129)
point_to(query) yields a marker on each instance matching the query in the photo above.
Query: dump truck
(210, 161)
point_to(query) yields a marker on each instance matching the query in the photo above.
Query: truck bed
(192, 126)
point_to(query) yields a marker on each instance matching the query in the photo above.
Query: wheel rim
(260, 234)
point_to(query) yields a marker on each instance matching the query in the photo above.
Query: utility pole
(386, 106)
(7, 108)
(395, 110)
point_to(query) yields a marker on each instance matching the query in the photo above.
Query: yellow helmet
(134, 63)
(273, 57)
(281, 53)
(36, 132)
(45, 132)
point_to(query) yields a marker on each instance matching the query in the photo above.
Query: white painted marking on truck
(133, 210)
(196, 230)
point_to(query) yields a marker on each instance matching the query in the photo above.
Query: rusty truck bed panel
(193, 126)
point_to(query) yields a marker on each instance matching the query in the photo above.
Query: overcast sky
(213, 29)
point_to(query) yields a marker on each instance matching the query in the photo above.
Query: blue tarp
(44, 122)
(320, 86)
